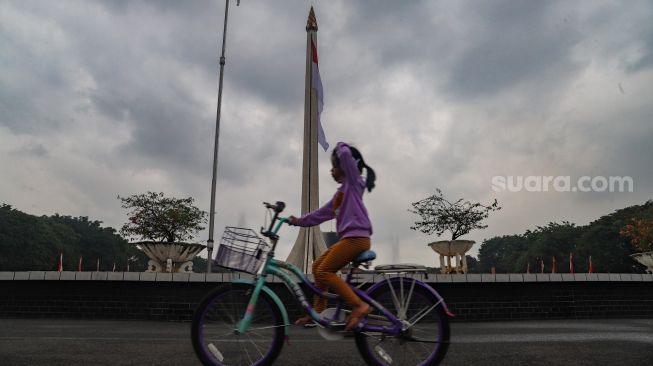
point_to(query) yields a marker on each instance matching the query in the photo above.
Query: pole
(209, 242)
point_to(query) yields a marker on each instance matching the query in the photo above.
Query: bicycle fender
(275, 298)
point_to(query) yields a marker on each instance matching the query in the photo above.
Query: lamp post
(209, 242)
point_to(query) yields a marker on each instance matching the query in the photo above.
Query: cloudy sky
(107, 98)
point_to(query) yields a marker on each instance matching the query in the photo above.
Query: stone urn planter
(170, 257)
(645, 258)
(449, 249)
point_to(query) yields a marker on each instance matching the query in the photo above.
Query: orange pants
(330, 262)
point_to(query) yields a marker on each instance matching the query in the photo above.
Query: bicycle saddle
(365, 256)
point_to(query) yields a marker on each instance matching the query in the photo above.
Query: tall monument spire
(310, 243)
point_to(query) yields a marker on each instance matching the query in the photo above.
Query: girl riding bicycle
(353, 228)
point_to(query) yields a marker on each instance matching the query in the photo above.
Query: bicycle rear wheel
(215, 321)
(425, 339)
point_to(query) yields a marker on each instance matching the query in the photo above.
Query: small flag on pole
(553, 265)
(79, 265)
(316, 83)
(591, 269)
(114, 267)
(127, 266)
(528, 269)
(60, 266)
(571, 262)
(542, 265)
(97, 268)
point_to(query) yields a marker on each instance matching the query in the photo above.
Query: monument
(310, 243)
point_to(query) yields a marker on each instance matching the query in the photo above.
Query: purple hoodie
(351, 215)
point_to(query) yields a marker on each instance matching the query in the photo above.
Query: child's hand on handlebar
(292, 220)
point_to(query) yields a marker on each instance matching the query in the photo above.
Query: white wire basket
(241, 250)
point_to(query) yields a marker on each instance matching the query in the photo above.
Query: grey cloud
(646, 60)
(31, 149)
(513, 42)
(437, 94)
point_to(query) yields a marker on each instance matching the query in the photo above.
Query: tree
(153, 217)
(472, 264)
(600, 239)
(32, 243)
(499, 252)
(459, 218)
(640, 233)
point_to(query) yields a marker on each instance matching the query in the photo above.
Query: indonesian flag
(542, 265)
(60, 266)
(114, 267)
(553, 265)
(316, 83)
(79, 265)
(528, 269)
(571, 262)
(591, 269)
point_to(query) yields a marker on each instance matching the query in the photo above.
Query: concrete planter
(645, 258)
(452, 248)
(170, 257)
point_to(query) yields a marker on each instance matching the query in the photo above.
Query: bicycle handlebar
(277, 207)
(271, 232)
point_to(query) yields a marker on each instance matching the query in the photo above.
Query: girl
(353, 228)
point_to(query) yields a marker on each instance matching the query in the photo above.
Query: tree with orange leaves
(640, 233)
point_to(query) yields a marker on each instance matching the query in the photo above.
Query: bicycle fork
(245, 322)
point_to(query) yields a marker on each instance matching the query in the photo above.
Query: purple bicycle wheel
(424, 341)
(214, 335)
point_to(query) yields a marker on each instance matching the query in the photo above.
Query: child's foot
(357, 315)
(304, 321)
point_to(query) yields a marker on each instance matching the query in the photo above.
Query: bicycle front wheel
(215, 339)
(425, 338)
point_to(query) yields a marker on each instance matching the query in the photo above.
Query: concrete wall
(133, 295)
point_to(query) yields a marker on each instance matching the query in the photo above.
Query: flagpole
(209, 243)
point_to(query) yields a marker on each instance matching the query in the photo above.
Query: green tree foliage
(154, 217)
(199, 264)
(472, 264)
(600, 239)
(34, 243)
(499, 252)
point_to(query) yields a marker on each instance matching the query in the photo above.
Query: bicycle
(245, 323)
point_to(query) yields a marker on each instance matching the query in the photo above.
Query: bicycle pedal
(337, 326)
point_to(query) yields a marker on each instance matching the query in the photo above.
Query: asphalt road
(34, 342)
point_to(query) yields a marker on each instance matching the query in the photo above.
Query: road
(54, 342)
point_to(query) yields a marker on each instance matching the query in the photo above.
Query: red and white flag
(60, 266)
(79, 265)
(542, 265)
(571, 262)
(591, 269)
(528, 269)
(316, 83)
(553, 265)
(114, 267)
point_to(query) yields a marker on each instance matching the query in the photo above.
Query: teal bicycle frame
(271, 266)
